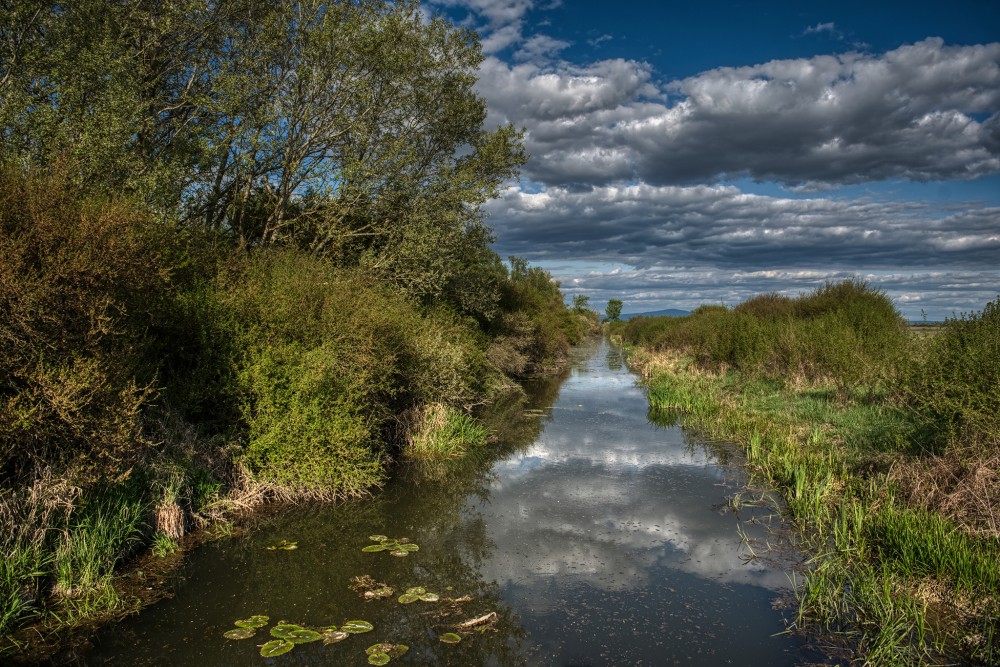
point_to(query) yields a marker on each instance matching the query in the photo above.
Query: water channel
(597, 537)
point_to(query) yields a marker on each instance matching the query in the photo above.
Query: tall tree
(613, 310)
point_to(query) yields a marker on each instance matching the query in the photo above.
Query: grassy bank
(883, 445)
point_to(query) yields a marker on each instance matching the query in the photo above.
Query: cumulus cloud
(925, 111)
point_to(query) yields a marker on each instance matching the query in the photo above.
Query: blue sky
(687, 153)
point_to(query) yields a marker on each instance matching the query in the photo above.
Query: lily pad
(334, 636)
(416, 590)
(393, 651)
(377, 538)
(276, 647)
(294, 633)
(378, 659)
(256, 621)
(408, 546)
(374, 548)
(240, 633)
(357, 627)
(430, 597)
(450, 638)
(399, 553)
(407, 598)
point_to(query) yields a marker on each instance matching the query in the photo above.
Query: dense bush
(955, 379)
(80, 281)
(846, 332)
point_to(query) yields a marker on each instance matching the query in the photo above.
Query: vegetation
(613, 311)
(883, 444)
(243, 257)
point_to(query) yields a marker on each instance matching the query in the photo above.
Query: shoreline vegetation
(243, 259)
(884, 444)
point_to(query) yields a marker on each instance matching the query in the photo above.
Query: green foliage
(848, 333)
(79, 280)
(952, 382)
(613, 311)
(438, 431)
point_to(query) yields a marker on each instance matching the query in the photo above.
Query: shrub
(953, 382)
(78, 282)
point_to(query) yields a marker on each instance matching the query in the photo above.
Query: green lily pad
(373, 548)
(378, 659)
(377, 538)
(383, 592)
(397, 650)
(357, 627)
(450, 638)
(276, 647)
(393, 651)
(430, 597)
(408, 546)
(334, 636)
(416, 590)
(240, 633)
(256, 621)
(399, 553)
(407, 598)
(294, 633)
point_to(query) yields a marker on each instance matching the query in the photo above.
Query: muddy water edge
(590, 536)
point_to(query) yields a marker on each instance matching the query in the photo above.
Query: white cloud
(924, 111)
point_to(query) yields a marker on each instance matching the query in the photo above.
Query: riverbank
(158, 380)
(902, 526)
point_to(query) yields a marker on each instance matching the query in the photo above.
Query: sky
(702, 152)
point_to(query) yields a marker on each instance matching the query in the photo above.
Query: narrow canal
(596, 537)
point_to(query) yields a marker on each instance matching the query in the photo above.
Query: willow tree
(350, 129)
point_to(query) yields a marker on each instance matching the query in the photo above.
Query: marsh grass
(831, 454)
(437, 431)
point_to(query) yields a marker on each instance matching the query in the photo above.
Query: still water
(596, 536)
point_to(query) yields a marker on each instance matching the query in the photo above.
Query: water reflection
(597, 537)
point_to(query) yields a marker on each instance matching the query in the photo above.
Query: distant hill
(669, 312)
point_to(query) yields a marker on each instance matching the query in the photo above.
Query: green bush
(953, 381)
(847, 333)
(79, 281)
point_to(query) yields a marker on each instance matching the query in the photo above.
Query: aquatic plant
(356, 627)
(450, 638)
(276, 647)
(400, 547)
(283, 545)
(418, 593)
(381, 654)
(246, 627)
(295, 633)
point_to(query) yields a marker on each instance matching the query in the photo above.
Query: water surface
(597, 537)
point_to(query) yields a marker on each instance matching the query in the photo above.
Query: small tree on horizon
(581, 302)
(614, 310)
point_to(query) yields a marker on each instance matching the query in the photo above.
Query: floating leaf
(373, 548)
(252, 622)
(410, 546)
(378, 659)
(240, 633)
(407, 598)
(303, 636)
(357, 627)
(399, 553)
(334, 636)
(430, 597)
(393, 651)
(450, 638)
(283, 630)
(377, 538)
(276, 647)
(417, 590)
